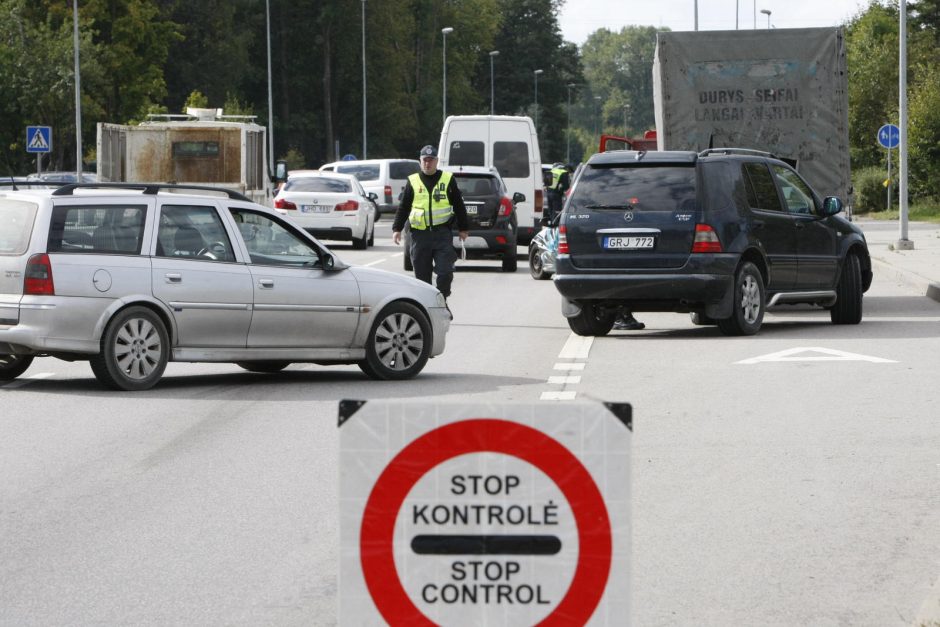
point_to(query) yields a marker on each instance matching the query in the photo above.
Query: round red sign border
(485, 435)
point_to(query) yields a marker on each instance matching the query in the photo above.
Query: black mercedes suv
(722, 234)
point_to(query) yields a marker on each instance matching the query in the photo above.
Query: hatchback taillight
(562, 240)
(280, 203)
(505, 207)
(706, 240)
(38, 279)
(349, 205)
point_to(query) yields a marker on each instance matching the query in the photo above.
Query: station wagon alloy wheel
(134, 351)
(399, 343)
(12, 366)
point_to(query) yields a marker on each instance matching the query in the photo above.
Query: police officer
(431, 203)
(561, 181)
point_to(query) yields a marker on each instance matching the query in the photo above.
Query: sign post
(484, 515)
(39, 141)
(889, 136)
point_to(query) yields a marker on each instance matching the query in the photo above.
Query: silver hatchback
(132, 276)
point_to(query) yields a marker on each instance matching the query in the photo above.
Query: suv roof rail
(737, 151)
(148, 188)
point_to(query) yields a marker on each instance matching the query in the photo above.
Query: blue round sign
(348, 157)
(889, 136)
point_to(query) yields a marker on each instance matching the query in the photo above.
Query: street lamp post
(755, 14)
(597, 100)
(445, 32)
(767, 13)
(365, 152)
(568, 130)
(267, 7)
(493, 55)
(78, 96)
(626, 110)
(536, 76)
(696, 14)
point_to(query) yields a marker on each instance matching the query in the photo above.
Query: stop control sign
(454, 514)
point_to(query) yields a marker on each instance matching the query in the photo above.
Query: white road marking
(577, 347)
(564, 380)
(18, 383)
(566, 395)
(815, 353)
(569, 366)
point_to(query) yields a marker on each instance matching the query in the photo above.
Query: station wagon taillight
(280, 203)
(349, 205)
(562, 240)
(38, 278)
(505, 207)
(706, 240)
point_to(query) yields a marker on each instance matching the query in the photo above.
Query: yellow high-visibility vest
(556, 178)
(430, 208)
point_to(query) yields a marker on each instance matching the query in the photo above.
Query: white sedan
(329, 205)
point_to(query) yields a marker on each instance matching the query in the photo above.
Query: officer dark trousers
(432, 250)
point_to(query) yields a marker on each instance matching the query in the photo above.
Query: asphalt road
(790, 478)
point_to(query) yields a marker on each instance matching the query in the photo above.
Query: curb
(923, 285)
(929, 613)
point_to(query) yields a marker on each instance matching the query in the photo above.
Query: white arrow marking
(823, 354)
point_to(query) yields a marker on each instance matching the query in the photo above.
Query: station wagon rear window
(16, 225)
(115, 229)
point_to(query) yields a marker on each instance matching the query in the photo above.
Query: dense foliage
(140, 56)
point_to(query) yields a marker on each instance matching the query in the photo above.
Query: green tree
(924, 134)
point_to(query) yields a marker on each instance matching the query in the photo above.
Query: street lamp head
(765, 11)
(447, 31)
(537, 72)
(494, 53)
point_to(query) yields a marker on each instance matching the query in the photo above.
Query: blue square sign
(38, 139)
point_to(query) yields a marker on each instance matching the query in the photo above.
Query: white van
(509, 144)
(385, 177)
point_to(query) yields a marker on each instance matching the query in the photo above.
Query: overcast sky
(580, 18)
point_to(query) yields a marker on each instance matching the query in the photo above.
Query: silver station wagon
(131, 276)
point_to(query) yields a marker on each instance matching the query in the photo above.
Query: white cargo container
(202, 147)
(507, 143)
(783, 91)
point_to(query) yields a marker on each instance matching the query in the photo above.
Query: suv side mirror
(832, 205)
(280, 171)
(517, 198)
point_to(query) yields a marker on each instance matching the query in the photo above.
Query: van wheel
(399, 343)
(134, 351)
(848, 307)
(263, 366)
(592, 320)
(749, 302)
(12, 366)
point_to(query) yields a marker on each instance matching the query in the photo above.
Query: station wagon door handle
(266, 283)
(758, 224)
(174, 277)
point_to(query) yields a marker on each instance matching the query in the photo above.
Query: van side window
(114, 229)
(511, 159)
(467, 153)
(400, 170)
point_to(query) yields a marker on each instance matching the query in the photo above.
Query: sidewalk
(919, 268)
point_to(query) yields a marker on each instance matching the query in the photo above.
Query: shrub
(870, 191)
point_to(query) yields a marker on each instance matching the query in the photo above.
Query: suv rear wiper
(608, 206)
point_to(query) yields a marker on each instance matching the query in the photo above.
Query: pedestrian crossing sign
(38, 139)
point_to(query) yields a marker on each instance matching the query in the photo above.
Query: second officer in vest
(432, 206)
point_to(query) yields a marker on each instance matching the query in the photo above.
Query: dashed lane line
(576, 347)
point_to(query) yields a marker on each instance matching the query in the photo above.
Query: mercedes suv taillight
(38, 278)
(562, 240)
(706, 240)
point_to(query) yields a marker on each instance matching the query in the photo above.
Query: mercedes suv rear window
(665, 188)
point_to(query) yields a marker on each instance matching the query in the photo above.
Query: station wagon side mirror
(280, 171)
(832, 205)
(517, 198)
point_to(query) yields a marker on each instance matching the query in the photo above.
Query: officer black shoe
(627, 322)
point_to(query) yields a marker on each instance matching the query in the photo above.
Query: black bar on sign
(485, 545)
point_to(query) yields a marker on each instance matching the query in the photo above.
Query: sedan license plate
(629, 242)
(315, 208)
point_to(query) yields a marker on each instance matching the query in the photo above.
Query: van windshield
(511, 159)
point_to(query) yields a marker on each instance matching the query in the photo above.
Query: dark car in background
(494, 227)
(722, 234)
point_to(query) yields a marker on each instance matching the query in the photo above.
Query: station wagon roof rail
(148, 188)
